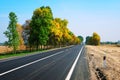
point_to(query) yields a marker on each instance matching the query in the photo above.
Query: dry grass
(4, 49)
(112, 71)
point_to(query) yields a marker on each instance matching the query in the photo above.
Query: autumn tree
(55, 32)
(71, 41)
(40, 26)
(77, 41)
(96, 39)
(20, 30)
(12, 33)
(65, 31)
(60, 34)
(93, 40)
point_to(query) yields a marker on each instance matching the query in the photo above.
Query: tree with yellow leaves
(55, 32)
(20, 30)
(60, 34)
(95, 39)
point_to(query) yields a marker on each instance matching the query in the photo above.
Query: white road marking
(1, 74)
(73, 66)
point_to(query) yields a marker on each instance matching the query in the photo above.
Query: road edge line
(73, 66)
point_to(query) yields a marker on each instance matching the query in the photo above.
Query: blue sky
(84, 16)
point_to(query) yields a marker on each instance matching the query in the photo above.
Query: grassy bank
(19, 54)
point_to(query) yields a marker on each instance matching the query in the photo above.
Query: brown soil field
(95, 58)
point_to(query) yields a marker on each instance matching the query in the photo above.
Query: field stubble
(95, 58)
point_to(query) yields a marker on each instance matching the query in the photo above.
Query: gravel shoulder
(95, 57)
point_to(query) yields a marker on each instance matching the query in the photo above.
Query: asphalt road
(52, 65)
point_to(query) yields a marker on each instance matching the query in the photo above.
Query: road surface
(62, 64)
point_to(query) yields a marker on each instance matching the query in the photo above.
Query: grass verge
(19, 54)
(25, 53)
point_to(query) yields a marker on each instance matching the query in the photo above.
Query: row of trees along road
(41, 30)
(93, 40)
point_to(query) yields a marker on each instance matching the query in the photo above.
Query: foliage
(93, 40)
(65, 31)
(26, 31)
(88, 40)
(40, 26)
(11, 33)
(60, 34)
(80, 38)
(55, 32)
(41, 30)
(96, 39)
(20, 30)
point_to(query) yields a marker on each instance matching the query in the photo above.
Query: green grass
(19, 54)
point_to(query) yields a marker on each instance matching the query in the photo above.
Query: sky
(84, 16)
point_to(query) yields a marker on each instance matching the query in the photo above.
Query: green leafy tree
(40, 26)
(81, 38)
(12, 33)
(26, 32)
(89, 40)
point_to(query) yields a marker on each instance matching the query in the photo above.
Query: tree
(93, 40)
(96, 39)
(11, 33)
(81, 38)
(88, 40)
(60, 34)
(20, 30)
(26, 31)
(40, 26)
(65, 31)
(55, 32)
